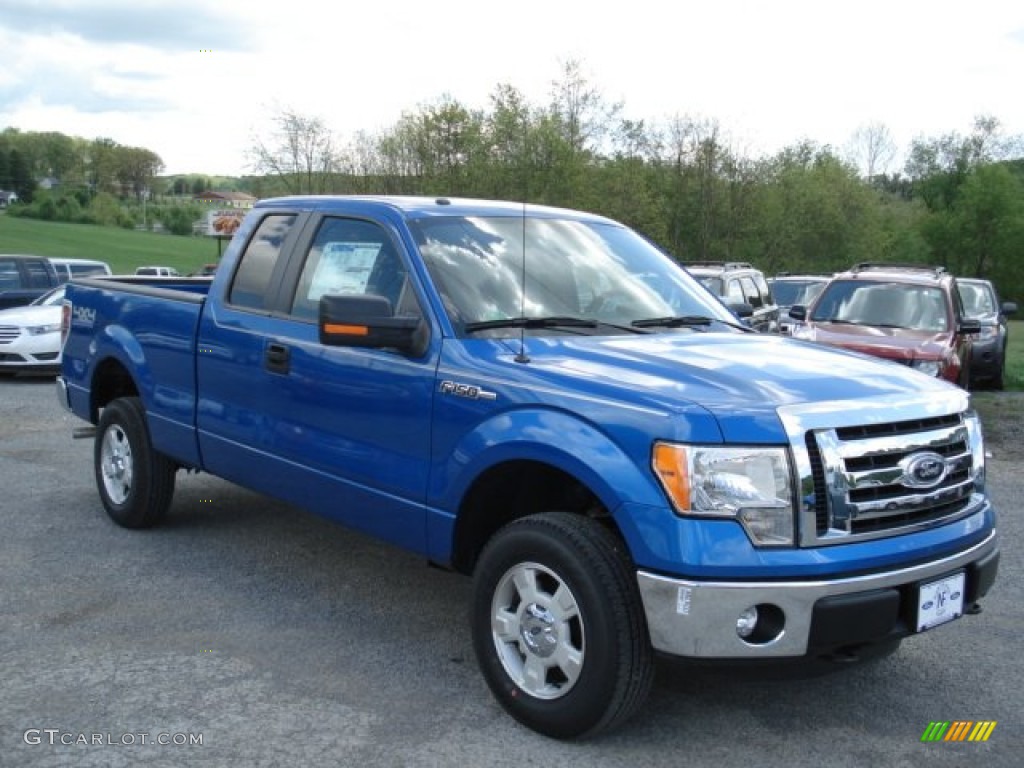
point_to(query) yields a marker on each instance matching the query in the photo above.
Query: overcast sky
(195, 80)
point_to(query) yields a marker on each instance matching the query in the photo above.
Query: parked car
(742, 288)
(157, 271)
(988, 353)
(23, 279)
(790, 290)
(30, 336)
(71, 268)
(907, 313)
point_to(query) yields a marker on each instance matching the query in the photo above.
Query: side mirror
(741, 309)
(367, 321)
(1009, 308)
(969, 325)
(798, 312)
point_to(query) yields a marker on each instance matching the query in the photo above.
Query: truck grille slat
(865, 478)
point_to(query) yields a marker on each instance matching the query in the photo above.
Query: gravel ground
(283, 640)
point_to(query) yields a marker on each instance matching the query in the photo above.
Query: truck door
(342, 431)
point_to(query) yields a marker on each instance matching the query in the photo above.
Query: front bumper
(698, 619)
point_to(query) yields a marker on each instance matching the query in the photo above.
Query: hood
(740, 378)
(900, 344)
(23, 316)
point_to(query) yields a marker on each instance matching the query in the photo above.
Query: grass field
(1014, 374)
(122, 249)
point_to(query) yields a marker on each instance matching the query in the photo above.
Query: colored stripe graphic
(982, 730)
(959, 730)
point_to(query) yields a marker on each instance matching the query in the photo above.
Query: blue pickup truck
(543, 400)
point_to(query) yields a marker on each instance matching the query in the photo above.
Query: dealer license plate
(940, 601)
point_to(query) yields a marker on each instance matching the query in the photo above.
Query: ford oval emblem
(925, 469)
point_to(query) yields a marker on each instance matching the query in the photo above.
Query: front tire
(558, 626)
(135, 482)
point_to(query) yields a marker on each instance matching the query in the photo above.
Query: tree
(872, 149)
(136, 170)
(5, 169)
(101, 165)
(300, 153)
(22, 180)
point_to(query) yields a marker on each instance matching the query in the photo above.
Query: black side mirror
(968, 325)
(741, 309)
(798, 312)
(367, 321)
(1009, 308)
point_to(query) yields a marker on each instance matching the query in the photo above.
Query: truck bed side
(139, 337)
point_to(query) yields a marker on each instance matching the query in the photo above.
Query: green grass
(122, 249)
(1014, 375)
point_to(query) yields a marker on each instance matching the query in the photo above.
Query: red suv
(907, 313)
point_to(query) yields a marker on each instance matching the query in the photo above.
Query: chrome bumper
(698, 618)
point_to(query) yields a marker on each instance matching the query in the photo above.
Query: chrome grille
(904, 467)
(9, 333)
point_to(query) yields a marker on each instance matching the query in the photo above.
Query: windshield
(789, 293)
(883, 305)
(574, 270)
(50, 298)
(977, 299)
(713, 284)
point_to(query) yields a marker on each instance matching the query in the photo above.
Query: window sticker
(343, 268)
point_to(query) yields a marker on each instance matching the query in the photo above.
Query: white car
(157, 271)
(30, 336)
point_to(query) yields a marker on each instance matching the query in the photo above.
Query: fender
(169, 400)
(548, 436)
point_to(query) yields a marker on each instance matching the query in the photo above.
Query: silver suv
(742, 288)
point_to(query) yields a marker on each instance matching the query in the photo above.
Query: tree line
(958, 201)
(97, 165)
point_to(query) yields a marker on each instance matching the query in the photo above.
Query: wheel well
(512, 490)
(110, 381)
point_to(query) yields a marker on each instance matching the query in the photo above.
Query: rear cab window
(250, 285)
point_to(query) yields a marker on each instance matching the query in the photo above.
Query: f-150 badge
(469, 391)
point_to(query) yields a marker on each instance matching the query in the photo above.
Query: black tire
(998, 379)
(590, 642)
(135, 482)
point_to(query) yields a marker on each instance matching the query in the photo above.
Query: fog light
(747, 622)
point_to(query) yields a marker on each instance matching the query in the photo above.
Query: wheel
(136, 483)
(558, 626)
(998, 378)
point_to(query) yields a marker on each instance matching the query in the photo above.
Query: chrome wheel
(537, 630)
(116, 464)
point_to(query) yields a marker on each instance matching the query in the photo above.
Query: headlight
(988, 332)
(931, 367)
(39, 330)
(977, 443)
(751, 485)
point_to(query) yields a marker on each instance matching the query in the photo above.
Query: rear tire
(558, 626)
(135, 482)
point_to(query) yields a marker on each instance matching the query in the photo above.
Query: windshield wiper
(685, 321)
(547, 322)
(531, 322)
